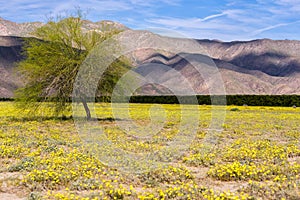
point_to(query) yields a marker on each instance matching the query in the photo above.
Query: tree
(52, 59)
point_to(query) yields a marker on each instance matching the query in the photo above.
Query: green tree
(52, 59)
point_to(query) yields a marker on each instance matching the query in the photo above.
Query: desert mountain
(10, 48)
(251, 67)
(8, 28)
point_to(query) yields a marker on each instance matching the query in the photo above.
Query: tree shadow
(61, 118)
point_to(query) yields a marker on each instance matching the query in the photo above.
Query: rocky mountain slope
(251, 67)
(259, 66)
(10, 48)
(8, 28)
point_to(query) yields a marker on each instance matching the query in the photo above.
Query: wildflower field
(256, 156)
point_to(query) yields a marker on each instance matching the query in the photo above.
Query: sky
(225, 20)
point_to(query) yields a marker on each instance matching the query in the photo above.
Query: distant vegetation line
(250, 100)
(6, 99)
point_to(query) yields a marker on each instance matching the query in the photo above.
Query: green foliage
(111, 76)
(239, 100)
(53, 58)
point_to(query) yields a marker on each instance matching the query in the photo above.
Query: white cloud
(155, 2)
(231, 20)
(259, 31)
(291, 5)
(211, 17)
(190, 23)
(288, 2)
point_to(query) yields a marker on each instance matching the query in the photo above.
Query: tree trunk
(87, 110)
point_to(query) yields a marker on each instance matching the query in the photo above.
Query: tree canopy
(52, 59)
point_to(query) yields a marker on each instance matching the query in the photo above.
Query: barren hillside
(250, 67)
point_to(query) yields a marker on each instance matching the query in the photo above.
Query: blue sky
(225, 20)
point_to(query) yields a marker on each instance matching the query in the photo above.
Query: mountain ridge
(261, 66)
